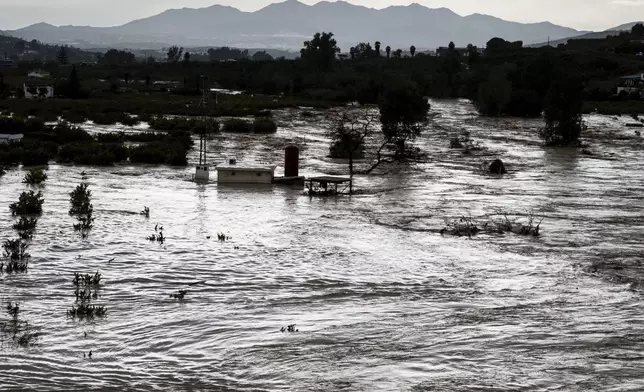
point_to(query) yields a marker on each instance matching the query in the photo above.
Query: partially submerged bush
(159, 153)
(66, 133)
(195, 125)
(464, 142)
(83, 308)
(98, 154)
(21, 332)
(80, 199)
(238, 125)
(16, 252)
(86, 311)
(87, 279)
(26, 227)
(464, 226)
(35, 177)
(264, 125)
(467, 226)
(82, 208)
(29, 203)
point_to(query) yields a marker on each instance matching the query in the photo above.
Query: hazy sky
(580, 14)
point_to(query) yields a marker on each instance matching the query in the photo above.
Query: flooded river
(381, 300)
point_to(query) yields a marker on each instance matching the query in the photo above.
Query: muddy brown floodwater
(382, 301)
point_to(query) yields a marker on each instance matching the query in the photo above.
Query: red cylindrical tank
(291, 161)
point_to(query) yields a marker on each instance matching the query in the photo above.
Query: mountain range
(286, 25)
(593, 35)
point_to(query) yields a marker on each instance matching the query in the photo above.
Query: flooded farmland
(381, 300)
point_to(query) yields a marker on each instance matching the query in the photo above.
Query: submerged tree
(403, 115)
(350, 128)
(563, 112)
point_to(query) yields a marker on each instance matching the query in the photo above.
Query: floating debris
(179, 295)
(290, 328)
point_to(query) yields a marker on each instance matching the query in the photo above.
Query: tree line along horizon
(504, 79)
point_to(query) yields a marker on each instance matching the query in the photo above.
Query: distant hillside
(286, 25)
(595, 35)
(21, 50)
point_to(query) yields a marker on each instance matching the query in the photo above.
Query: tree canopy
(321, 50)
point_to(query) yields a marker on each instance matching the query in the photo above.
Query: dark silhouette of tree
(262, 56)
(563, 112)
(126, 78)
(62, 56)
(148, 81)
(186, 57)
(388, 50)
(412, 51)
(403, 115)
(350, 128)
(225, 53)
(174, 54)
(363, 51)
(377, 46)
(117, 57)
(73, 84)
(398, 53)
(472, 54)
(494, 95)
(451, 47)
(20, 46)
(352, 53)
(638, 30)
(496, 45)
(321, 50)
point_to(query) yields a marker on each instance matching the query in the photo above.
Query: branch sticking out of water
(467, 226)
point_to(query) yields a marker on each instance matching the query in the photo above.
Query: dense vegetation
(69, 144)
(504, 79)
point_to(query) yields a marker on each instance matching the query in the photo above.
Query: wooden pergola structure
(325, 185)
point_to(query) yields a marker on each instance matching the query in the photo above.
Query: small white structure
(39, 74)
(202, 173)
(6, 138)
(38, 92)
(233, 174)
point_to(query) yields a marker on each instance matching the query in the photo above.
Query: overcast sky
(579, 14)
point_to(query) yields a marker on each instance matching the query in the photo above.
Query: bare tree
(350, 128)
